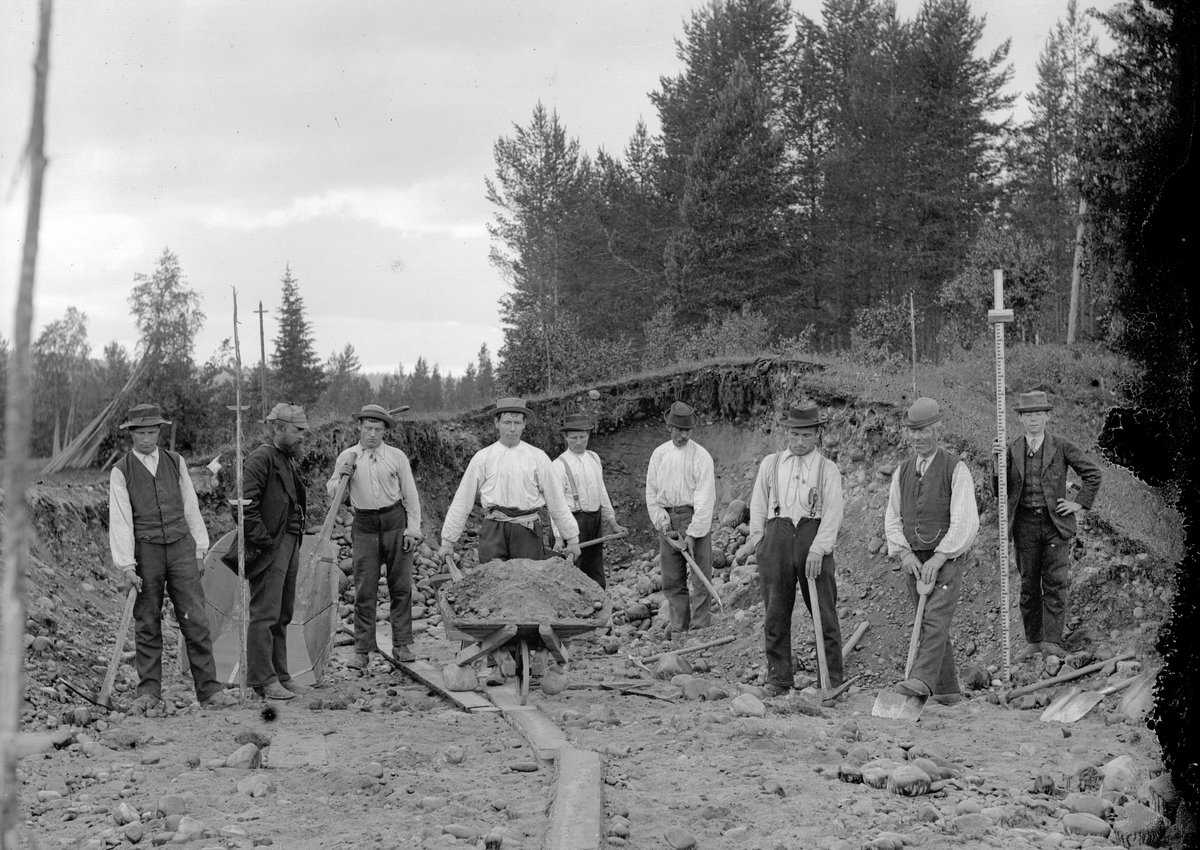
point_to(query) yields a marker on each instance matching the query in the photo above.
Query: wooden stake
(912, 329)
(18, 419)
(243, 586)
(262, 367)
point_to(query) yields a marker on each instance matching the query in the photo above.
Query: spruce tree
(298, 372)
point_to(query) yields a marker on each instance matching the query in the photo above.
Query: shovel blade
(1073, 707)
(898, 706)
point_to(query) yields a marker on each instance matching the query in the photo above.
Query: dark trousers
(504, 541)
(379, 542)
(172, 568)
(1043, 559)
(781, 555)
(272, 601)
(591, 559)
(688, 610)
(934, 664)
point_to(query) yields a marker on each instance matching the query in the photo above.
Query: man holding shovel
(930, 522)
(1042, 520)
(582, 476)
(795, 514)
(681, 494)
(386, 531)
(158, 540)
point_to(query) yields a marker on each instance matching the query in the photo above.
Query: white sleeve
(831, 508)
(191, 510)
(964, 514)
(893, 525)
(120, 522)
(705, 498)
(464, 500)
(760, 498)
(658, 515)
(556, 501)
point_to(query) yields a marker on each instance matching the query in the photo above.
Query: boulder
(671, 665)
(244, 757)
(748, 705)
(1088, 804)
(909, 781)
(735, 514)
(458, 678)
(1139, 824)
(1078, 823)
(554, 683)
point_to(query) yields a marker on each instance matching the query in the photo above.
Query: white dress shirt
(797, 477)
(681, 476)
(964, 515)
(520, 477)
(120, 513)
(588, 474)
(381, 477)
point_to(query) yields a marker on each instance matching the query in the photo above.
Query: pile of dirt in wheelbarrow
(525, 591)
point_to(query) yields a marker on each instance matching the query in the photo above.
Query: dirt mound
(525, 591)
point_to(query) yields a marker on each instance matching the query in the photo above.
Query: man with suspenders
(587, 497)
(795, 514)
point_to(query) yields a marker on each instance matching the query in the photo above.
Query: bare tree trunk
(18, 430)
(1073, 312)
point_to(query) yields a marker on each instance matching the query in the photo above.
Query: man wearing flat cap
(795, 514)
(512, 480)
(158, 540)
(386, 531)
(1041, 519)
(275, 506)
(930, 522)
(681, 494)
(582, 476)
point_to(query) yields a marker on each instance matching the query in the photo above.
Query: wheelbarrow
(498, 637)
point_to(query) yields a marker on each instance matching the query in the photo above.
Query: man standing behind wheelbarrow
(930, 522)
(386, 531)
(796, 511)
(512, 480)
(681, 493)
(583, 479)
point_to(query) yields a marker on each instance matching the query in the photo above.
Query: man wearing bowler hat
(582, 476)
(512, 480)
(681, 493)
(795, 514)
(158, 540)
(274, 513)
(930, 522)
(1041, 519)
(386, 531)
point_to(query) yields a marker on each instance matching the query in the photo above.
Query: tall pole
(243, 586)
(998, 318)
(262, 348)
(18, 432)
(912, 329)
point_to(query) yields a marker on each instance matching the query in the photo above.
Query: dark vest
(1032, 497)
(925, 501)
(157, 501)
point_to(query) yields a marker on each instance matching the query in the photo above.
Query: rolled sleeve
(334, 480)
(464, 500)
(893, 525)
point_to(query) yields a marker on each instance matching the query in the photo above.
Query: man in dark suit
(274, 513)
(1042, 521)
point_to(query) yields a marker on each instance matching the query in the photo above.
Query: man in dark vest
(931, 521)
(158, 540)
(274, 514)
(1041, 520)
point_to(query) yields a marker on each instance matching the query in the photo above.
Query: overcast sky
(349, 140)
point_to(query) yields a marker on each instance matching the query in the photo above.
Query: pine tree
(485, 378)
(298, 372)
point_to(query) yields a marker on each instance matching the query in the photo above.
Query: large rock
(748, 705)
(1078, 823)
(255, 785)
(1088, 804)
(909, 781)
(554, 683)
(735, 514)
(671, 665)
(679, 838)
(246, 756)
(1120, 774)
(1139, 824)
(458, 678)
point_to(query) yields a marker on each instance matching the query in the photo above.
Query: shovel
(1076, 703)
(105, 697)
(698, 573)
(897, 705)
(819, 633)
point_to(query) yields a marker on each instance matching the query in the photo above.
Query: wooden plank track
(431, 677)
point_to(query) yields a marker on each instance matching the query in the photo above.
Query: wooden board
(540, 731)
(431, 677)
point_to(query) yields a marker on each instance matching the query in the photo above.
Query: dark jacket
(1057, 455)
(272, 490)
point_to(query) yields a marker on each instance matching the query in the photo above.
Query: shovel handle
(604, 539)
(455, 572)
(699, 574)
(819, 635)
(105, 698)
(916, 633)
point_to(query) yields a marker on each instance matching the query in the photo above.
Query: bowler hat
(681, 416)
(511, 405)
(924, 412)
(577, 422)
(1033, 402)
(144, 416)
(806, 414)
(290, 413)
(375, 411)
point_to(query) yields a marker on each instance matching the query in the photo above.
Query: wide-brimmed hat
(924, 412)
(1033, 402)
(144, 416)
(577, 422)
(806, 414)
(290, 413)
(681, 416)
(375, 411)
(511, 405)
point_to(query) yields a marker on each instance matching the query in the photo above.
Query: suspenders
(816, 504)
(574, 488)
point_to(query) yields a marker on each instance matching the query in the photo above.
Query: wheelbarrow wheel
(524, 672)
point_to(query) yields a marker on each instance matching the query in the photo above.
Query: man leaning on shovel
(386, 531)
(931, 521)
(158, 540)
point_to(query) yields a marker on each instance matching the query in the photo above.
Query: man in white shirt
(795, 514)
(512, 480)
(386, 531)
(681, 493)
(582, 476)
(930, 522)
(158, 541)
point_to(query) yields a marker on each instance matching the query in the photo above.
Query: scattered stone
(244, 757)
(973, 677)
(863, 809)
(909, 781)
(554, 683)
(850, 773)
(460, 832)
(455, 754)
(524, 767)
(458, 678)
(255, 786)
(972, 824)
(773, 786)
(967, 807)
(171, 804)
(374, 769)
(1085, 776)
(134, 832)
(671, 665)
(928, 814)
(1078, 823)
(189, 830)
(680, 839)
(125, 813)
(748, 705)
(432, 803)
(1119, 774)
(1088, 804)
(1139, 824)
(1164, 799)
